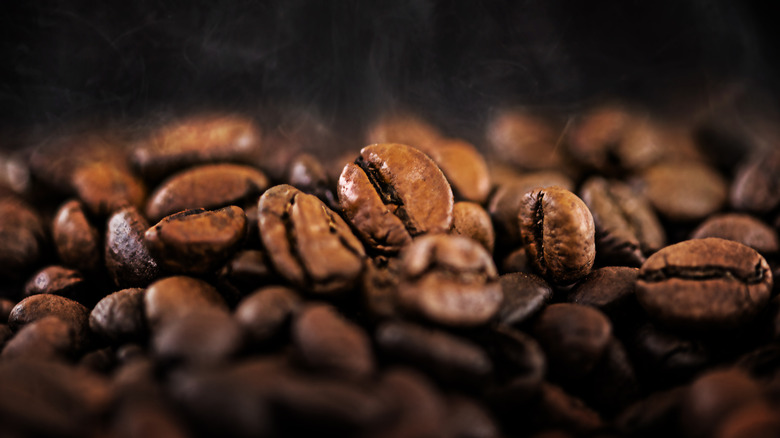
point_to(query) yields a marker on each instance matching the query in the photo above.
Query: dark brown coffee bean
(379, 287)
(444, 356)
(612, 384)
(99, 361)
(36, 307)
(308, 175)
(48, 339)
(196, 241)
(265, 312)
(763, 363)
(558, 233)
(56, 280)
(76, 240)
(173, 297)
(392, 193)
(5, 309)
(517, 261)
(524, 296)
(626, 226)
(468, 419)
(712, 397)
(104, 188)
(755, 420)
(195, 140)
(5, 334)
(595, 135)
(612, 290)
(128, 260)
(655, 415)
(704, 284)
(521, 360)
(471, 220)
(147, 419)
(119, 317)
(419, 409)
(464, 167)
(741, 228)
(21, 237)
(308, 244)
(684, 191)
(524, 140)
(648, 140)
(667, 358)
(204, 337)
(327, 342)
(755, 186)
(574, 338)
(450, 280)
(210, 187)
(556, 408)
(248, 269)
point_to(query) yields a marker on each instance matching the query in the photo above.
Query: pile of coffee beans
(606, 275)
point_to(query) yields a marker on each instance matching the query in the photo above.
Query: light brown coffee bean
(75, 238)
(464, 167)
(196, 241)
(104, 188)
(685, 191)
(558, 234)
(471, 220)
(450, 280)
(308, 175)
(392, 193)
(172, 297)
(128, 260)
(210, 186)
(308, 244)
(403, 128)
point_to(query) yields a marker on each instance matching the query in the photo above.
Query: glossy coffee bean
(76, 239)
(524, 296)
(308, 243)
(172, 297)
(741, 228)
(21, 237)
(209, 186)
(104, 188)
(56, 280)
(626, 226)
(308, 175)
(558, 233)
(48, 338)
(450, 280)
(464, 167)
(265, 313)
(195, 140)
(684, 191)
(704, 284)
(128, 260)
(196, 241)
(392, 193)
(119, 317)
(471, 220)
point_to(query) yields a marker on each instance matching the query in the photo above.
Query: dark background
(347, 60)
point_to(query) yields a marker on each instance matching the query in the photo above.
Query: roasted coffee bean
(468, 419)
(392, 193)
(203, 337)
(471, 220)
(264, 313)
(594, 137)
(211, 186)
(574, 338)
(755, 186)
(48, 339)
(419, 409)
(612, 384)
(684, 191)
(119, 317)
(327, 342)
(5, 334)
(308, 243)
(517, 261)
(104, 188)
(248, 268)
(524, 296)
(558, 233)
(704, 284)
(521, 360)
(5, 309)
(37, 307)
(444, 356)
(75, 238)
(450, 280)
(652, 416)
(612, 290)
(379, 287)
(195, 140)
(741, 228)
(196, 241)
(666, 358)
(756, 420)
(403, 128)
(173, 297)
(21, 237)
(308, 175)
(556, 408)
(626, 226)
(128, 261)
(56, 280)
(464, 167)
(524, 140)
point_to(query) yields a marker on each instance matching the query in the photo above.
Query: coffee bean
(403, 128)
(704, 284)
(594, 136)
(524, 140)
(741, 228)
(444, 356)
(468, 419)
(6, 306)
(626, 226)
(327, 342)
(556, 408)
(464, 167)
(210, 186)
(392, 193)
(517, 261)
(104, 188)
(202, 337)
(173, 297)
(37, 307)
(419, 409)
(684, 191)
(574, 338)
(56, 280)
(196, 241)
(667, 358)
(47, 339)
(308, 175)
(653, 415)
(379, 287)
(471, 220)
(521, 361)
(75, 238)
(195, 140)
(308, 244)
(558, 233)
(127, 259)
(524, 296)
(757, 419)
(264, 313)
(755, 186)
(612, 384)
(612, 290)
(119, 317)
(21, 237)
(450, 280)
(5, 334)
(248, 268)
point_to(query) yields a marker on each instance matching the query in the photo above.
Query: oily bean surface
(558, 234)
(128, 260)
(704, 284)
(77, 241)
(392, 193)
